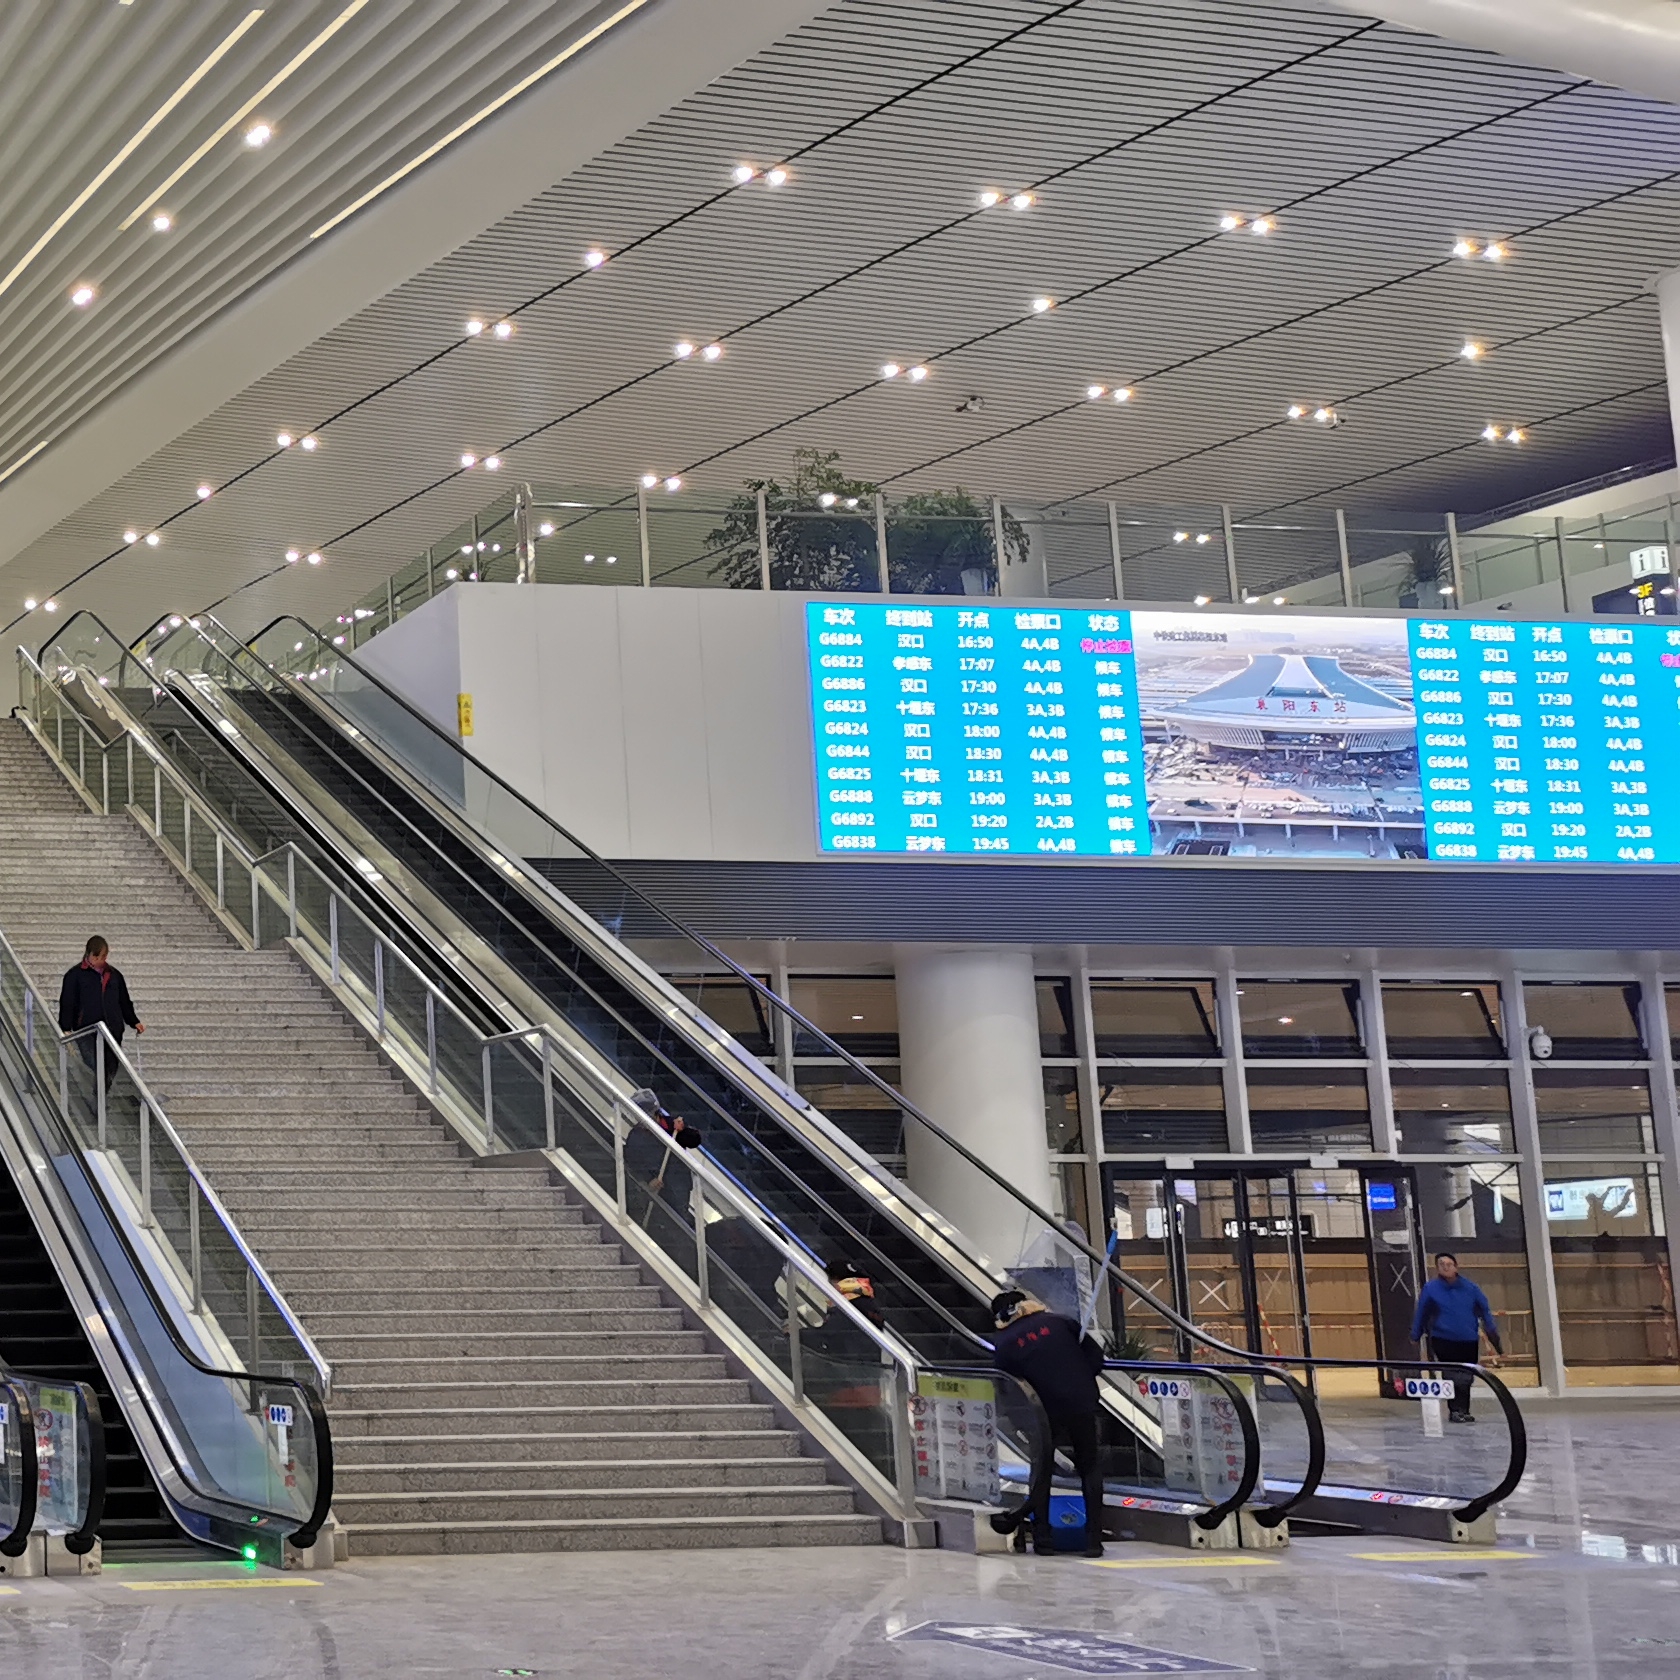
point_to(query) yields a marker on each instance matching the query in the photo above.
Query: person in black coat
(94, 991)
(1061, 1363)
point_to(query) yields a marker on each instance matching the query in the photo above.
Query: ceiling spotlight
(313, 559)
(1251, 600)
(51, 606)
(1022, 201)
(310, 443)
(1296, 411)
(292, 557)
(1464, 248)
(474, 327)
(131, 536)
(827, 499)
(451, 573)
(1278, 600)
(545, 529)
(1202, 600)
(152, 539)
(1230, 221)
(594, 259)
(175, 621)
(284, 439)
(776, 177)
(1492, 433)
(1445, 589)
(1325, 416)
(1041, 304)
(649, 480)
(990, 197)
(589, 559)
(1472, 352)
(1181, 536)
(1495, 252)
(1202, 537)
(205, 492)
(712, 352)
(492, 463)
(890, 370)
(162, 222)
(918, 374)
(469, 460)
(851, 501)
(1516, 435)
(673, 483)
(258, 135)
(82, 296)
(503, 329)
(612, 559)
(1123, 394)
(682, 350)
(1261, 225)
(744, 172)
(466, 548)
(1096, 391)
(30, 603)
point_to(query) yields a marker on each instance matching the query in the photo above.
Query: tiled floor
(1585, 1583)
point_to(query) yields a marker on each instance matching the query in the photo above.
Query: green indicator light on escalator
(249, 1554)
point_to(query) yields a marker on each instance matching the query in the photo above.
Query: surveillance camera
(971, 405)
(1540, 1044)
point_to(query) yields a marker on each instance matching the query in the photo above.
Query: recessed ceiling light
(1296, 411)
(1261, 225)
(313, 559)
(451, 573)
(1495, 252)
(1202, 600)
(827, 499)
(284, 439)
(589, 559)
(310, 443)
(682, 349)
(258, 135)
(989, 197)
(82, 296)
(673, 483)
(1446, 589)
(918, 374)
(649, 480)
(1022, 201)
(205, 492)
(29, 603)
(594, 259)
(612, 559)
(1278, 600)
(545, 529)
(1041, 304)
(776, 177)
(890, 370)
(51, 606)
(1516, 435)
(1464, 248)
(744, 172)
(503, 329)
(162, 222)
(1202, 537)
(152, 539)
(1492, 433)
(474, 327)
(712, 352)
(1123, 394)
(292, 557)
(1325, 416)
(131, 536)
(1181, 536)
(466, 548)
(1095, 391)
(492, 463)
(1230, 221)
(1472, 351)
(174, 621)
(1248, 600)
(469, 460)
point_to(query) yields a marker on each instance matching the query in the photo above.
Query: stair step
(553, 1475)
(679, 1418)
(519, 1505)
(356, 1452)
(455, 1539)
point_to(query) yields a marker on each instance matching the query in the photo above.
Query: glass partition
(1593, 1109)
(1586, 1022)
(1442, 1020)
(1452, 1111)
(1162, 1110)
(1308, 1108)
(1299, 1018)
(1154, 1018)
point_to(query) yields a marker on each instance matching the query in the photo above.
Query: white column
(968, 1037)
(1668, 314)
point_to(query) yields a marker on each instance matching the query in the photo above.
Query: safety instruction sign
(953, 1431)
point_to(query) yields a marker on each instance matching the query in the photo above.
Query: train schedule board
(983, 727)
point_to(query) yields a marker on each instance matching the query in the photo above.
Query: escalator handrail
(1250, 1477)
(16, 1539)
(65, 1147)
(110, 1048)
(80, 1540)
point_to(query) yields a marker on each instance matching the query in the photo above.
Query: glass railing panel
(514, 1076)
(406, 995)
(592, 539)
(1193, 1450)
(14, 1472)
(1178, 561)
(172, 810)
(939, 542)
(63, 1452)
(702, 539)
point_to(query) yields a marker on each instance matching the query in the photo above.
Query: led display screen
(982, 727)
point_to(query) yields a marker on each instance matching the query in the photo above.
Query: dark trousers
(1078, 1433)
(1448, 1352)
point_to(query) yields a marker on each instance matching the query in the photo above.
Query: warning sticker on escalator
(1067, 1648)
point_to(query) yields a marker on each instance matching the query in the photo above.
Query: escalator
(454, 854)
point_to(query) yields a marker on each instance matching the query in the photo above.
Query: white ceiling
(1137, 124)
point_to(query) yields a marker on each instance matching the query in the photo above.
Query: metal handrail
(80, 1540)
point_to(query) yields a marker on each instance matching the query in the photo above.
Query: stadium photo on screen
(1278, 737)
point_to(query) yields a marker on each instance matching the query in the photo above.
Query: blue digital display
(983, 727)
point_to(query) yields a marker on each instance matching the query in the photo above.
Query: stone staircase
(504, 1378)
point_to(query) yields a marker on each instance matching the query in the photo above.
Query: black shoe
(1459, 1417)
(1043, 1546)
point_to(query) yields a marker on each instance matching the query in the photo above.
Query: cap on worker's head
(1004, 1305)
(645, 1098)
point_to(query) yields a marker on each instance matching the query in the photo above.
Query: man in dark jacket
(656, 1174)
(1052, 1355)
(94, 991)
(1453, 1312)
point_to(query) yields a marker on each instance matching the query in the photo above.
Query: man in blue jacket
(1453, 1313)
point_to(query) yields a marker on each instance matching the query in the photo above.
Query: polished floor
(1584, 1584)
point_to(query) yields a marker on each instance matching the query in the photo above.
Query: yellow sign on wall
(463, 714)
